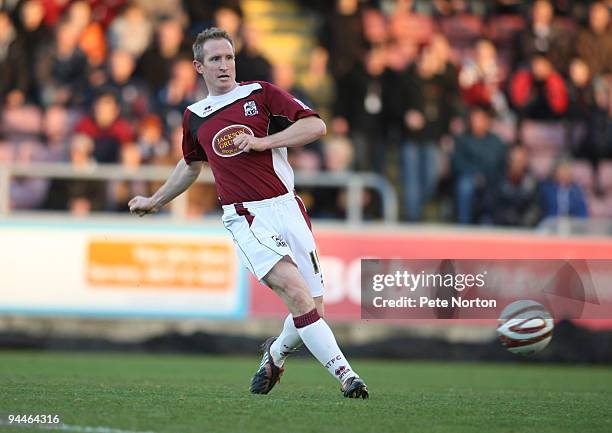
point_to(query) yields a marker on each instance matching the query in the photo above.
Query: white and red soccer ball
(525, 327)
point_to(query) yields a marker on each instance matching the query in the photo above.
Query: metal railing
(354, 183)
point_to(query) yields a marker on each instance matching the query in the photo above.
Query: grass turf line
(189, 394)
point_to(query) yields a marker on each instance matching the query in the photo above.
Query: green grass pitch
(185, 394)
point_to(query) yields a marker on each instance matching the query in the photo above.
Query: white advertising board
(119, 270)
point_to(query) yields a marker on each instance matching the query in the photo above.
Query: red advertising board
(340, 252)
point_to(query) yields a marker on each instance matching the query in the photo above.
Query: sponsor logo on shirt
(250, 108)
(223, 141)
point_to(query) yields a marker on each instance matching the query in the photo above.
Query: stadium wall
(103, 276)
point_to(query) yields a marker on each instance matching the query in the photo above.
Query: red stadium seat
(416, 27)
(582, 172)
(502, 29)
(541, 164)
(600, 207)
(506, 129)
(543, 135)
(22, 121)
(462, 30)
(604, 177)
(7, 151)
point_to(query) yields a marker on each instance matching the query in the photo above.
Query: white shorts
(265, 231)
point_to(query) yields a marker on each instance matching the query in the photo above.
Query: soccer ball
(525, 327)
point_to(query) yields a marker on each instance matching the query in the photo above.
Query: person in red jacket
(540, 91)
(109, 131)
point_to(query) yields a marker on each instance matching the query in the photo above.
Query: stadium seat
(22, 122)
(505, 129)
(566, 24)
(541, 164)
(604, 177)
(7, 151)
(600, 207)
(582, 173)
(502, 29)
(462, 30)
(415, 27)
(543, 135)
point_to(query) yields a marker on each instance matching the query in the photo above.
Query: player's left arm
(301, 132)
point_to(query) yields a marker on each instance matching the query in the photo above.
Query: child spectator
(561, 196)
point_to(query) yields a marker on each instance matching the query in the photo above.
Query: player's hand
(247, 142)
(142, 206)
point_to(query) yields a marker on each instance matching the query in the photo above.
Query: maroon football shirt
(257, 108)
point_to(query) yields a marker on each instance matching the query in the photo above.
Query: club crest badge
(250, 108)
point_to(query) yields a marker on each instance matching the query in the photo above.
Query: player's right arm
(183, 176)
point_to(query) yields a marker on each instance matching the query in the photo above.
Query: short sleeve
(281, 103)
(192, 151)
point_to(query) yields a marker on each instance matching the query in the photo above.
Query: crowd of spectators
(479, 111)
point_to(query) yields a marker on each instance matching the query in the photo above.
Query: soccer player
(243, 131)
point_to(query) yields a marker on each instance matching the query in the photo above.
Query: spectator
(14, 69)
(150, 141)
(181, 90)
(62, 70)
(409, 25)
(155, 65)
(251, 65)
(580, 91)
(54, 9)
(342, 36)
(203, 198)
(131, 31)
(426, 117)
(363, 96)
(34, 35)
(56, 129)
(449, 74)
(133, 94)
(307, 157)
(201, 14)
(561, 196)
(543, 37)
(83, 196)
(594, 44)
(330, 202)
(597, 144)
(518, 204)
(230, 20)
(56, 133)
(374, 27)
(481, 78)
(91, 33)
(539, 92)
(582, 109)
(106, 128)
(478, 163)
(28, 192)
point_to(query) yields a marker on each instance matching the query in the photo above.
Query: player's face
(218, 67)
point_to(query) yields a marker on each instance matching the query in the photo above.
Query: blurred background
(456, 129)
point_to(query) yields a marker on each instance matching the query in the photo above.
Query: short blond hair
(205, 35)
